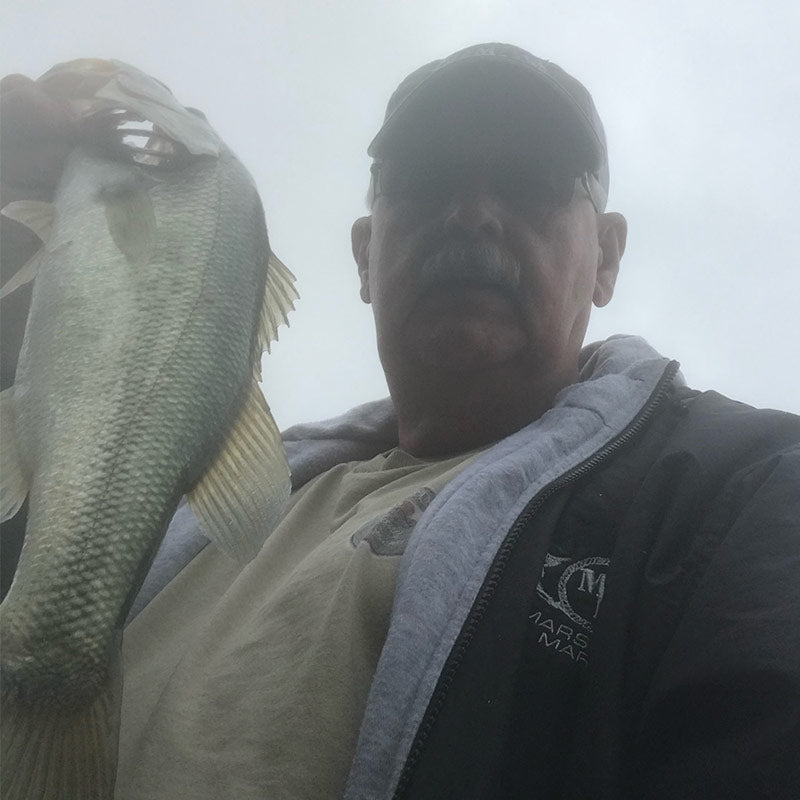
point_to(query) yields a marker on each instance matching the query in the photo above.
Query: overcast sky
(701, 104)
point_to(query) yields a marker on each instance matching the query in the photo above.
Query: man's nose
(474, 210)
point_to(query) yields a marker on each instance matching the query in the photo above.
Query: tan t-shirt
(251, 683)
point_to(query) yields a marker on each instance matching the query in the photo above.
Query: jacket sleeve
(722, 715)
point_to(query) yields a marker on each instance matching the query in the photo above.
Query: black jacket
(694, 689)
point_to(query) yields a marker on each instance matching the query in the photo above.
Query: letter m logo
(593, 583)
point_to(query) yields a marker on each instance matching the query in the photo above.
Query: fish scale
(154, 296)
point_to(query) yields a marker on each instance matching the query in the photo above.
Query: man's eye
(417, 183)
(527, 188)
(432, 183)
(526, 192)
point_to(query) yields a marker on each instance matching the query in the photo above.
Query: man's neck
(447, 413)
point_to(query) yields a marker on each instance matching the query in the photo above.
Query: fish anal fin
(241, 497)
(131, 221)
(13, 484)
(279, 297)
(34, 214)
(54, 750)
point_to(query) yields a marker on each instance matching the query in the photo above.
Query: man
(541, 570)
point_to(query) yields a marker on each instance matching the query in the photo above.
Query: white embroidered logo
(576, 588)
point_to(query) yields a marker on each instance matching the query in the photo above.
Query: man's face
(479, 260)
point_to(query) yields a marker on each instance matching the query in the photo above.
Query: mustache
(481, 261)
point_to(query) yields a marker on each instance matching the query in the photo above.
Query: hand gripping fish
(155, 294)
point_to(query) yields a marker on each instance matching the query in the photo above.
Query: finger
(25, 110)
(36, 135)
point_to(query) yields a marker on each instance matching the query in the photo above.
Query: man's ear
(612, 234)
(359, 236)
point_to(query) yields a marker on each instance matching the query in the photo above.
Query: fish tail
(53, 750)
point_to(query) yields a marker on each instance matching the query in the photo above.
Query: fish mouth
(114, 130)
(112, 90)
(131, 138)
(79, 80)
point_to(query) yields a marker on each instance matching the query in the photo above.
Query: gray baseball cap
(538, 102)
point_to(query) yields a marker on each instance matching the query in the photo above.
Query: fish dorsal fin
(241, 496)
(13, 484)
(33, 214)
(279, 297)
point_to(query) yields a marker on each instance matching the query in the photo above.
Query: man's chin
(459, 328)
(466, 348)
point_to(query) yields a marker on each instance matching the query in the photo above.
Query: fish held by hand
(155, 294)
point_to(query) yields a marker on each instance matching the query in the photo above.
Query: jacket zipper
(501, 559)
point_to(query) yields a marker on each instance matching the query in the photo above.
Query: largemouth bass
(155, 294)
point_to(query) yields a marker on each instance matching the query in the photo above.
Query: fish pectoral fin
(279, 297)
(25, 274)
(241, 497)
(60, 748)
(13, 484)
(34, 214)
(38, 217)
(131, 221)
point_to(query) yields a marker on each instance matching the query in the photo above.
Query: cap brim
(494, 97)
